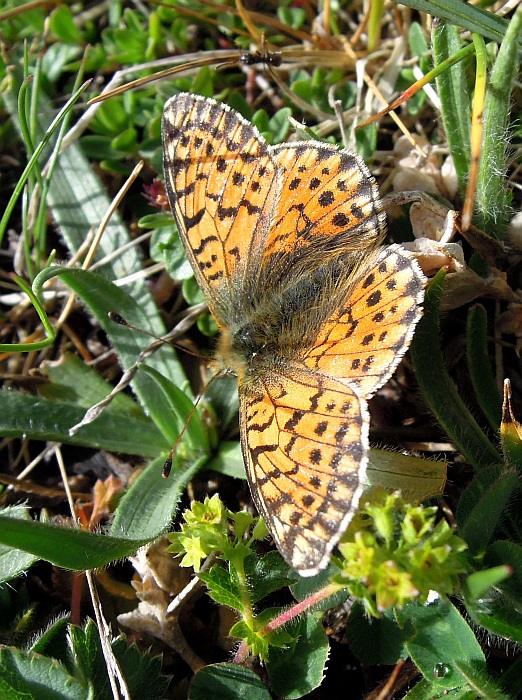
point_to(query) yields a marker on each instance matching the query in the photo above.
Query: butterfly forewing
(329, 204)
(222, 186)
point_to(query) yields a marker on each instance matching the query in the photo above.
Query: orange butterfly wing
(223, 186)
(329, 202)
(304, 440)
(364, 341)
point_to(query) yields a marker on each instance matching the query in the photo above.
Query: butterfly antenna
(167, 466)
(122, 322)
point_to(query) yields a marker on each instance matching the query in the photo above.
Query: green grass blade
(454, 99)
(48, 419)
(53, 126)
(463, 15)
(492, 199)
(40, 310)
(482, 377)
(439, 390)
(67, 547)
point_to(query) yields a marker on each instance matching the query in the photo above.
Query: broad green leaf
(78, 201)
(44, 419)
(67, 547)
(179, 415)
(279, 125)
(441, 638)
(296, 671)
(229, 460)
(428, 691)
(376, 641)
(71, 380)
(149, 506)
(481, 682)
(61, 22)
(102, 296)
(227, 682)
(166, 247)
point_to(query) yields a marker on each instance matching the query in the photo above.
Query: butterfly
(314, 317)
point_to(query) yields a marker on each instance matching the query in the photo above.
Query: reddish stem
(295, 610)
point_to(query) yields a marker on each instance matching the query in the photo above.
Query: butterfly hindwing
(304, 438)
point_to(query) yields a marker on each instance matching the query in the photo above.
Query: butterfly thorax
(281, 323)
(246, 348)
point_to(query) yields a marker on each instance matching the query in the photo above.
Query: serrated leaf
(268, 574)
(222, 588)
(258, 644)
(24, 674)
(141, 670)
(88, 657)
(52, 641)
